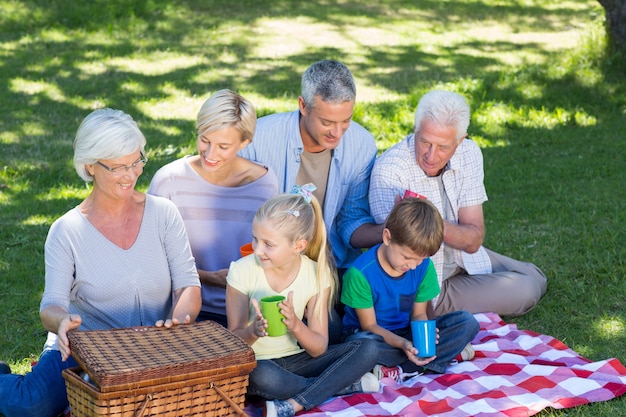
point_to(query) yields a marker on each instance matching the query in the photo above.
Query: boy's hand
(412, 354)
(421, 361)
(409, 349)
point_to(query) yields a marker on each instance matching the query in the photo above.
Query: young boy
(391, 284)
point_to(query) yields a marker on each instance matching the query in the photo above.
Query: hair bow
(305, 191)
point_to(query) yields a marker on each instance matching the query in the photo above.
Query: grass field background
(548, 110)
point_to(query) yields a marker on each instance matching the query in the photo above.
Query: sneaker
(467, 354)
(367, 384)
(278, 408)
(5, 369)
(391, 372)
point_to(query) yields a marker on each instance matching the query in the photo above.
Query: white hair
(105, 134)
(445, 108)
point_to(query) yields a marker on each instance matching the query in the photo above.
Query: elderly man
(439, 163)
(320, 143)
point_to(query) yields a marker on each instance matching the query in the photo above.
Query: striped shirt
(218, 219)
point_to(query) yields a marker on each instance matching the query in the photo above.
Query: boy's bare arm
(419, 311)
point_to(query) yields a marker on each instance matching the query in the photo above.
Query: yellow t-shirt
(247, 276)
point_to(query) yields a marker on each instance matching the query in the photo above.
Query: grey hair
(331, 80)
(226, 108)
(446, 109)
(105, 134)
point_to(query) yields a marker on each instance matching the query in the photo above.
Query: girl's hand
(69, 322)
(287, 310)
(259, 325)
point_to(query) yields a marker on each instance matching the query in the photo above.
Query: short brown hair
(416, 224)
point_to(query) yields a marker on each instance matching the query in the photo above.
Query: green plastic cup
(271, 312)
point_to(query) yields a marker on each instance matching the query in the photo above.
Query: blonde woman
(217, 193)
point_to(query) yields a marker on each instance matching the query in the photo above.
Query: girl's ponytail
(319, 250)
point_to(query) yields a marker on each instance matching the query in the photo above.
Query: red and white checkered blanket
(515, 373)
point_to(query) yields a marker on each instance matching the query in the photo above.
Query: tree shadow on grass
(35, 14)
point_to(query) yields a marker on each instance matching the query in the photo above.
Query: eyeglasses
(121, 170)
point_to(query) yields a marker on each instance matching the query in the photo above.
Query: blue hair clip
(305, 191)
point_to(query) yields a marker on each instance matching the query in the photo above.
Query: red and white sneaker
(391, 372)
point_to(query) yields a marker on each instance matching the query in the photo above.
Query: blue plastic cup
(424, 337)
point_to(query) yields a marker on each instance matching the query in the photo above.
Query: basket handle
(230, 402)
(142, 409)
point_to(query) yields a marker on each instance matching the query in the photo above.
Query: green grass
(549, 111)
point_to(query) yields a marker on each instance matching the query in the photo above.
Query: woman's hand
(259, 324)
(172, 322)
(69, 322)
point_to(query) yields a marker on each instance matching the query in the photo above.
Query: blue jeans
(40, 393)
(312, 380)
(218, 318)
(456, 330)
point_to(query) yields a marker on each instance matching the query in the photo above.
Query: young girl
(298, 370)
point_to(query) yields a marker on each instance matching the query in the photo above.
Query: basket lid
(140, 356)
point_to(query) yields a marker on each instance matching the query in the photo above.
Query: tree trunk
(615, 22)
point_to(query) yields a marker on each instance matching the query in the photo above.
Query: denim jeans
(312, 380)
(456, 330)
(40, 393)
(218, 318)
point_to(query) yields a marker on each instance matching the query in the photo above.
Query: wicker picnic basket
(198, 369)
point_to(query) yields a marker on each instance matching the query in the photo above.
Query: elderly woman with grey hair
(118, 259)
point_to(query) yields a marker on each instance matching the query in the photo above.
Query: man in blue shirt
(320, 143)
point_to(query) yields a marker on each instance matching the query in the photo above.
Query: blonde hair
(297, 219)
(226, 108)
